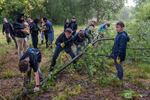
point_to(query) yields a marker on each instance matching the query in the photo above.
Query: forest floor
(71, 85)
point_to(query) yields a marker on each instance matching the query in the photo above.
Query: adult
(34, 32)
(49, 32)
(21, 33)
(8, 31)
(73, 25)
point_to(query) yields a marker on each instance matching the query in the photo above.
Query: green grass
(8, 74)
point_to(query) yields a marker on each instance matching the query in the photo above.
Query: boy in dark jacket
(119, 48)
(63, 42)
(30, 60)
(73, 25)
(8, 30)
(34, 33)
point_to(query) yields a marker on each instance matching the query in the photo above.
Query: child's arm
(59, 39)
(37, 82)
(122, 44)
(37, 79)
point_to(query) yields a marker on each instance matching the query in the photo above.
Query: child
(119, 48)
(63, 42)
(103, 27)
(90, 30)
(79, 39)
(30, 60)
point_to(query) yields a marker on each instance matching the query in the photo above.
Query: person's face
(119, 28)
(67, 21)
(68, 35)
(22, 18)
(73, 19)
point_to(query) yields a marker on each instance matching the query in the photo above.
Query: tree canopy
(59, 10)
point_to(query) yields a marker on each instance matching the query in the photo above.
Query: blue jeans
(57, 52)
(119, 69)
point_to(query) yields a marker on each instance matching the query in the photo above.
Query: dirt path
(10, 78)
(68, 86)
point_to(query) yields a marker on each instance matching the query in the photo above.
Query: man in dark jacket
(73, 25)
(8, 30)
(66, 25)
(34, 32)
(20, 33)
(119, 48)
(63, 42)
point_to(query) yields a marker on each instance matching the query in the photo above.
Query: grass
(8, 74)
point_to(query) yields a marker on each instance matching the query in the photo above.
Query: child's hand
(36, 89)
(62, 45)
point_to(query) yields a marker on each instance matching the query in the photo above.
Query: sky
(130, 3)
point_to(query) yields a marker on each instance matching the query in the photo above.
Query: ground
(71, 85)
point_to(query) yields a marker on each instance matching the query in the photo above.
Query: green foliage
(59, 10)
(129, 94)
(139, 37)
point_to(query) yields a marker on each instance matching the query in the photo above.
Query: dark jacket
(62, 39)
(120, 45)
(77, 40)
(73, 26)
(7, 28)
(18, 26)
(66, 26)
(34, 29)
(34, 56)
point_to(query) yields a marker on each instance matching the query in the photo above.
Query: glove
(36, 89)
(90, 45)
(118, 60)
(62, 45)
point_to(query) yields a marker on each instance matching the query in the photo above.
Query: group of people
(21, 29)
(31, 57)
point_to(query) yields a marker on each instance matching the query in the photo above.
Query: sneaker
(36, 89)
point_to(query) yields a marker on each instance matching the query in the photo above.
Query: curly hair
(23, 66)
